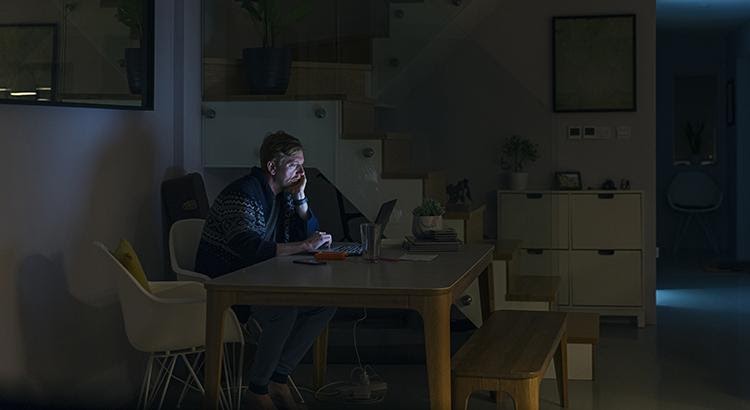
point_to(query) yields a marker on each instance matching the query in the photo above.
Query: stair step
(375, 135)
(225, 77)
(351, 50)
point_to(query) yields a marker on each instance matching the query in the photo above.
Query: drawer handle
(535, 251)
(606, 196)
(466, 300)
(606, 252)
(534, 196)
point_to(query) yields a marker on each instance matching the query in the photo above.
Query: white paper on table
(417, 258)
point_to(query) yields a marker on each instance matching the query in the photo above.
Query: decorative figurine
(459, 195)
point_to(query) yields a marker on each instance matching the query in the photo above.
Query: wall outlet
(574, 132)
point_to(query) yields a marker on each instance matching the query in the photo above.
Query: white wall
(72, 176)
(499, 83)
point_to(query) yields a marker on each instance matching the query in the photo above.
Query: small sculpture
(459, 194)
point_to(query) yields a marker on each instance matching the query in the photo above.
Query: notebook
(355, 248)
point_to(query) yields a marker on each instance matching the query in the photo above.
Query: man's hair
(277, 146)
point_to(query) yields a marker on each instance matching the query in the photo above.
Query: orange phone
(330, 256)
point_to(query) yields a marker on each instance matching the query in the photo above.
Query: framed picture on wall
(594, 61)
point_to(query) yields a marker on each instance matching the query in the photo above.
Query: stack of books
(444, 235)
(433, 241)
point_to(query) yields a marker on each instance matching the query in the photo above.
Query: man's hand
(297, 189)
(317, 240)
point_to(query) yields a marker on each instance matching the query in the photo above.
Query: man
(259, 216)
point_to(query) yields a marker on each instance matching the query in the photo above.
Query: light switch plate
(604, 133)
(589, 132)
(623, 132)
(575, 132)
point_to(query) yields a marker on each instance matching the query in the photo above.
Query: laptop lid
(384, 214)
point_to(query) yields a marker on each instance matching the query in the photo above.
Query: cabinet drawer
(606, 221)
(606, 278)
(547, 263)
(539, 220)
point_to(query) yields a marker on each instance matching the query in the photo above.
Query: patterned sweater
(235, 234)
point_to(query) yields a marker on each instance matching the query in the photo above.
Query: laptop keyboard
(350, 248)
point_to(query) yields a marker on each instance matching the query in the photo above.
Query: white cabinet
(592, 240)
(539, 220)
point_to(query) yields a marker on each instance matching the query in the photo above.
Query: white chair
(694, 194)
(184, 238)
(169, 323)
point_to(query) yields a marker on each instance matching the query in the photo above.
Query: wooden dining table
(427, 287)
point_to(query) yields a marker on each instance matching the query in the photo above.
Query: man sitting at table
(259, 216)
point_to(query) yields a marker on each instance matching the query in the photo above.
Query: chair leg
(191, 376)
(681, 230)
(169, 378)
(146, 384)
(296, 390)
(710, 238)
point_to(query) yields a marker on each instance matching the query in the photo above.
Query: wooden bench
(583, 329)
(510, 353)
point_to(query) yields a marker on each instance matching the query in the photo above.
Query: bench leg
(561, 369)
(524, 392)
(462, 390)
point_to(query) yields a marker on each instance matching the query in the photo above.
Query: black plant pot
(267, 69)
(134, 69)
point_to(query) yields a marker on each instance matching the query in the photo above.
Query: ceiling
(725, 15)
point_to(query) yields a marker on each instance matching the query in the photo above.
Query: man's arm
(310, 244)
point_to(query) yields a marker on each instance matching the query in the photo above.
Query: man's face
(289, 170)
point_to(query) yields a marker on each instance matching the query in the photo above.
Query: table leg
(561, 369)
(216, 305)
(487, 292)
(320, 359)
(435, 311)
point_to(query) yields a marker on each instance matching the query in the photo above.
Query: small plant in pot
(268, 67)
(131, 14)
(694, 136)
(427, 217)
(515, 154)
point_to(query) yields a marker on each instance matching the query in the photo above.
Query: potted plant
(427, 217)
(695, 139)
(130, 13)
(515, 154)
(268, 67)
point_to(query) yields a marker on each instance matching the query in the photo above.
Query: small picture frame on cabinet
(568, 180)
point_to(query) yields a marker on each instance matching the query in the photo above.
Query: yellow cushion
(127, 257)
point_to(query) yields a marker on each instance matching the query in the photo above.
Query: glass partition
(83, 53)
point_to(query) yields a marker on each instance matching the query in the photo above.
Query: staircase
(367, 74)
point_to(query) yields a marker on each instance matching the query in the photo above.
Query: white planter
(421, 224)
(518, 181)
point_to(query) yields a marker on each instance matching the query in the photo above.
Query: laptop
(355, 248)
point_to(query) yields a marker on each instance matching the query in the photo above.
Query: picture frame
(730, 102)
(594, 60)
(568, 180)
